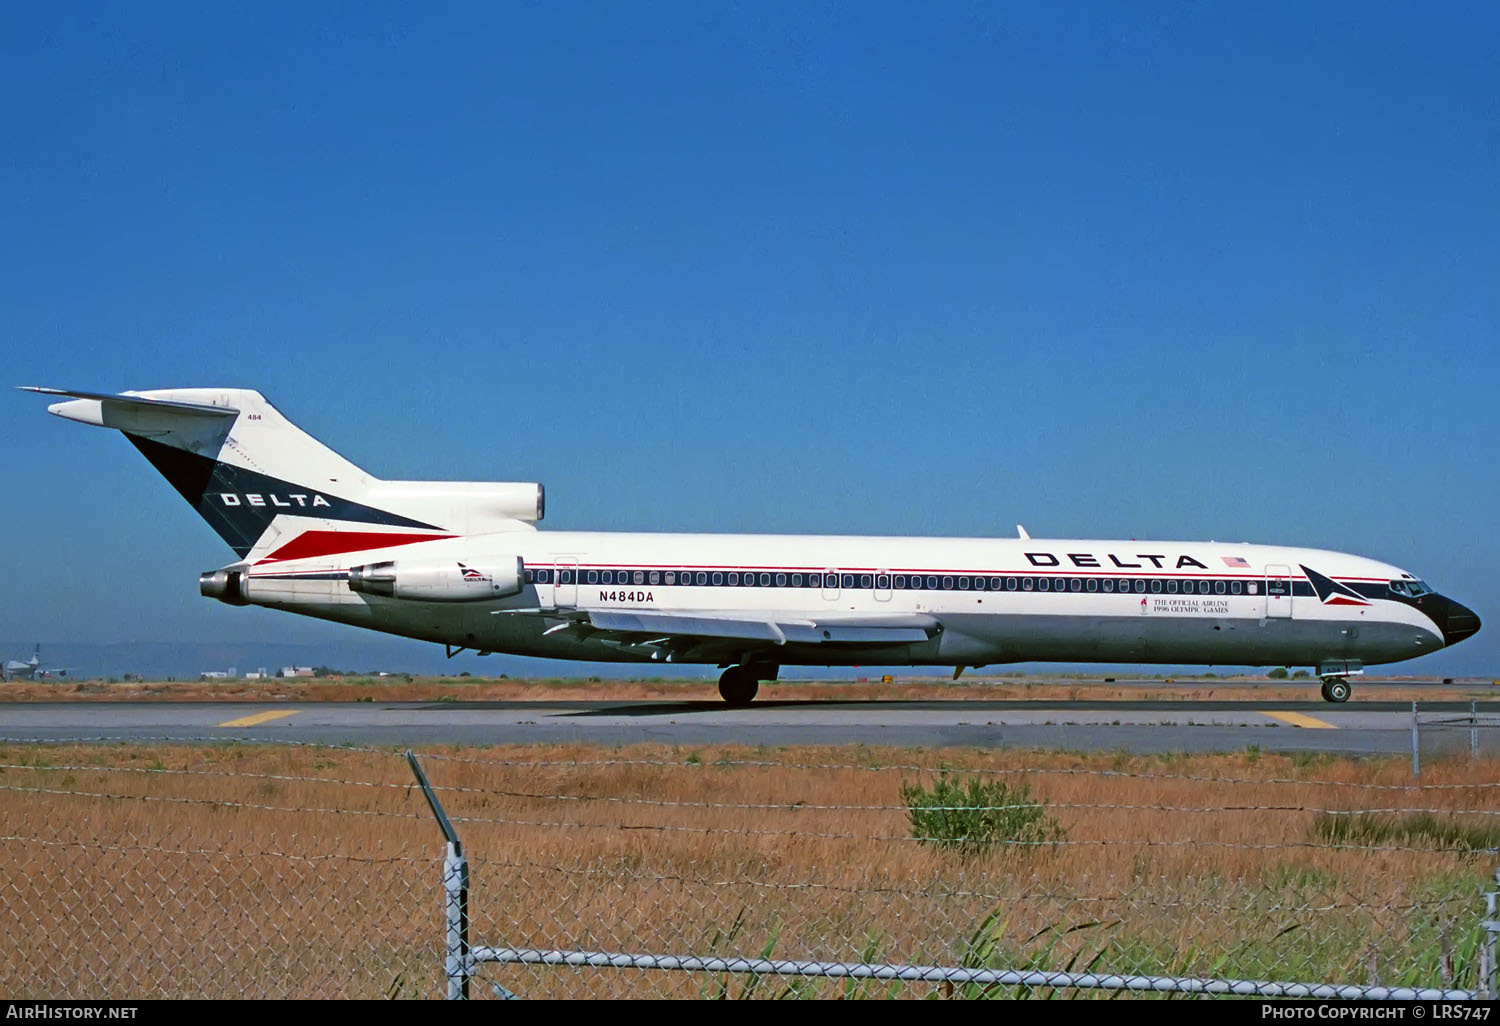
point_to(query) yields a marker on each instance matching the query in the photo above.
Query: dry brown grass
(207, 870)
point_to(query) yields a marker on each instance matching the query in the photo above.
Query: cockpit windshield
(1410, 589)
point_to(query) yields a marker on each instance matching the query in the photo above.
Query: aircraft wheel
(1335, 689)
(738, 685)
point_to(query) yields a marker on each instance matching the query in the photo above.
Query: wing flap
(651, 622)
(879, 630)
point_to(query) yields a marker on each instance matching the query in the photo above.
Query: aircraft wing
(867, 630)
(711, 636)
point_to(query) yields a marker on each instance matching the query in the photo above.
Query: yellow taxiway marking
(1298, 720)
(259, 718)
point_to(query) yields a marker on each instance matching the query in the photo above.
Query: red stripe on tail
(328, 543)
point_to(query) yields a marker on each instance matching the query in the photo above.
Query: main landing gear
(1335, 689)
(739, 684)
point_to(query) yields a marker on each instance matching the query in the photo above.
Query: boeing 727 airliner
(463, 564)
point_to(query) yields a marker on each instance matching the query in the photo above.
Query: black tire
(1336, 690)
(738, 686)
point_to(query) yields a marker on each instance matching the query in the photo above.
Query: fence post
(456, 907)
(1416, 763)
(1473, 729)
(1487, 970)
(457, 963)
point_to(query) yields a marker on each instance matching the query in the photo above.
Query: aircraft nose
(1459, 622)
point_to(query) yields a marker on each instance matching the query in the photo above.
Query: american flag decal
(1235, 561)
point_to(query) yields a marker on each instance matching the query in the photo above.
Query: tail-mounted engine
(439, 581)
(226, 585)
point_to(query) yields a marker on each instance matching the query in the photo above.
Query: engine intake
(439, 581)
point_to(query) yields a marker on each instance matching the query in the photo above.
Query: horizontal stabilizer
(90, 414)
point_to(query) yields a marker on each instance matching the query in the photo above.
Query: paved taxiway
(1368, 727)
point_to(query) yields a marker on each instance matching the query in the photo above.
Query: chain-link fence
(1445, 734)
(244, 870)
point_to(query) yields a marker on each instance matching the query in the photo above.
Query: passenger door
(1278, 591)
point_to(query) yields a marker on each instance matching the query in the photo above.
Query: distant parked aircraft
(17, 670)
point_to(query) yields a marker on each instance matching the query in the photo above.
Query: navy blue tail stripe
(240, 504)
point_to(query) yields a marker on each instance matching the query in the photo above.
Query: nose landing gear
(1335, 689)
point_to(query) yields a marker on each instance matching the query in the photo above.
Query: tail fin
(274, 492)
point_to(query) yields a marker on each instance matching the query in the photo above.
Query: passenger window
(781, 580)
(932, 582)
(1026, 584)
(865, 580)
(963, 584)
(1140, 585)
(765, 580)
(1234, 587)
(796, 580)
(1043, 584)
(1252, 588)
(1109, 584)
(1172, 587)
(1218, 587)
(1093, 584)
(1076, 584)
(899, 582)
(544, 576)
(847, 580)
(702, 578)
(734, 579)
(717, 578)
(530, 576)
(883, 581)
(670, 577)
(1155, 585)
(653, 578)
(1010, 584)
(747, 580)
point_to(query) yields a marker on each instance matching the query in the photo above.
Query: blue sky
(1147, 270)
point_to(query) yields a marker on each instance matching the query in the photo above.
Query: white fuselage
(998, 600)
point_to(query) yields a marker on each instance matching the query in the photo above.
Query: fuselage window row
(905, 582)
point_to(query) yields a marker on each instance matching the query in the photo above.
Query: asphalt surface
(1356, 728)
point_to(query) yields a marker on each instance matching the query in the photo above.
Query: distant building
(296, 671)
(212, 675)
